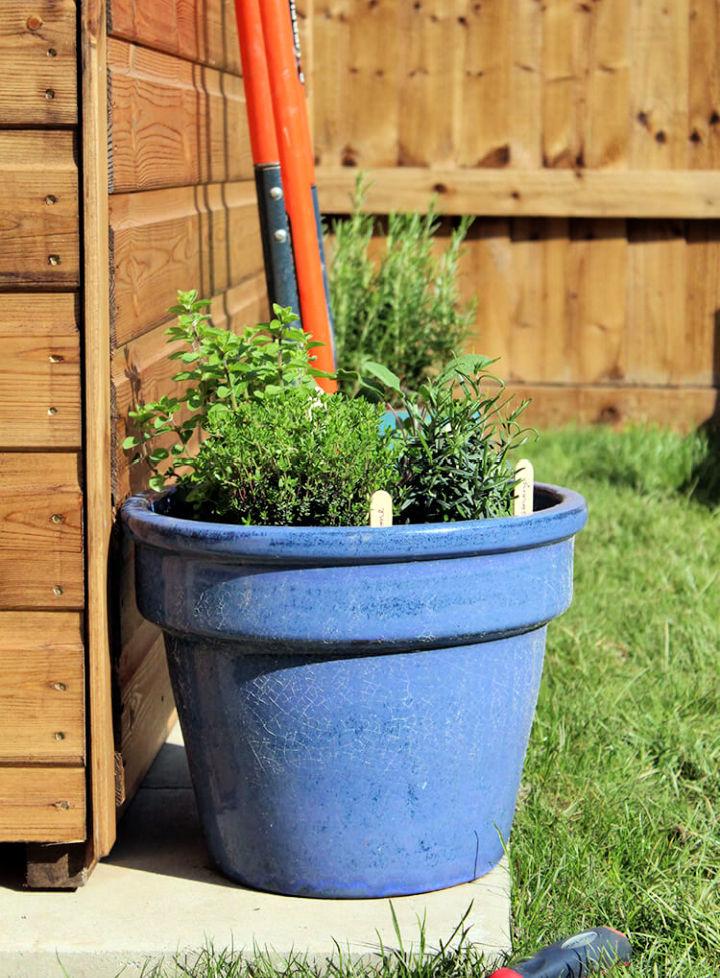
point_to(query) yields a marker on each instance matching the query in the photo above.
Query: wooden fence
(585, 137)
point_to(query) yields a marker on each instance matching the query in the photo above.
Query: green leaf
(381, 373)
(130, 442)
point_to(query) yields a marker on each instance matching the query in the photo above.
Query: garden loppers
(575, 957)
(274, 227)
(296, 164)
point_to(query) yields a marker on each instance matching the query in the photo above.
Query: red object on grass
(293, 140)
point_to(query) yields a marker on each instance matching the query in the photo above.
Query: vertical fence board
(659, 84)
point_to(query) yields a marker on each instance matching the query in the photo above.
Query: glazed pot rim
(560, 514)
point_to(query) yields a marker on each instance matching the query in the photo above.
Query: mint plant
(220, 369)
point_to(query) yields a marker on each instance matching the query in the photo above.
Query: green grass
(618, 819)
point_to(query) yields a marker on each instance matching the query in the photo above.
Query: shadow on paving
(160, 832)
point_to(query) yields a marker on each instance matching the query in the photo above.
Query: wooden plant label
(524, 487)
(381, 509)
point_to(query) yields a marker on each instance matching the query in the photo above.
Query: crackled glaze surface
(356, 703)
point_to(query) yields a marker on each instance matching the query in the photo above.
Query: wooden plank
(681, 408)
(42, 687)
(486, 275)
(39, 370)
(142, 372)
(531, 193)
(173, 123)
(165, 240)
(704, 85)
(198, 32)
(563, 74)
(41, 553)
(96, 303)
(38, 209)
(427, 36)
(700, 327)
(526, 326)
(606, 114)
(483, 129)
(59, 866)
(597, 309)
(37, 51)
(42, 804)
(657, 297)
(659, 84)
(148, 715)
(329, 81)
(525, 106)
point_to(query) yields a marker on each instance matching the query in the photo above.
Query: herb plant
(455, 438)
(292, 459)
(404, 308)
(220, 370)
(252, 439)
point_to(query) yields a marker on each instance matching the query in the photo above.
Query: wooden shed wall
(42, 589)
(586, 139)
(182, 214)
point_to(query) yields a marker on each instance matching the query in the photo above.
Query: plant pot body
(356, 703)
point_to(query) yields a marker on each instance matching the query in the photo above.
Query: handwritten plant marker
(381, 508)
(524, 487)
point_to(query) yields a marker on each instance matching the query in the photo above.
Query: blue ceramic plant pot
(356, 702)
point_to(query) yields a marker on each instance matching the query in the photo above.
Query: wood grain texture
(605, 114)
(42, 687)
(59, 866)
(683, 409)
(42, 804)
(37, 51)
(41, 550)
(97, 351)
(704, 86)
(192, 237)
(173, 122)
(659, 84)
(198, 30)
(425, 38)
(39, 371)
(39, 219)
(530, 193)
(148, 715)
(483, 133)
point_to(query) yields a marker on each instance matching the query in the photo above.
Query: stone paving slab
(157, 895)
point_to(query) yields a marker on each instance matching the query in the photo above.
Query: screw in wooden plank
(58, 591)
(57, 518)
(60, 687)
(59, 735)
(54, 260)
(52, 53)
(49, 94)
(50, 199)
(52, 411)
(56, 358)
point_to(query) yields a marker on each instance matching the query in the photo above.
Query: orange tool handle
(293, 139)
(257, 82)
